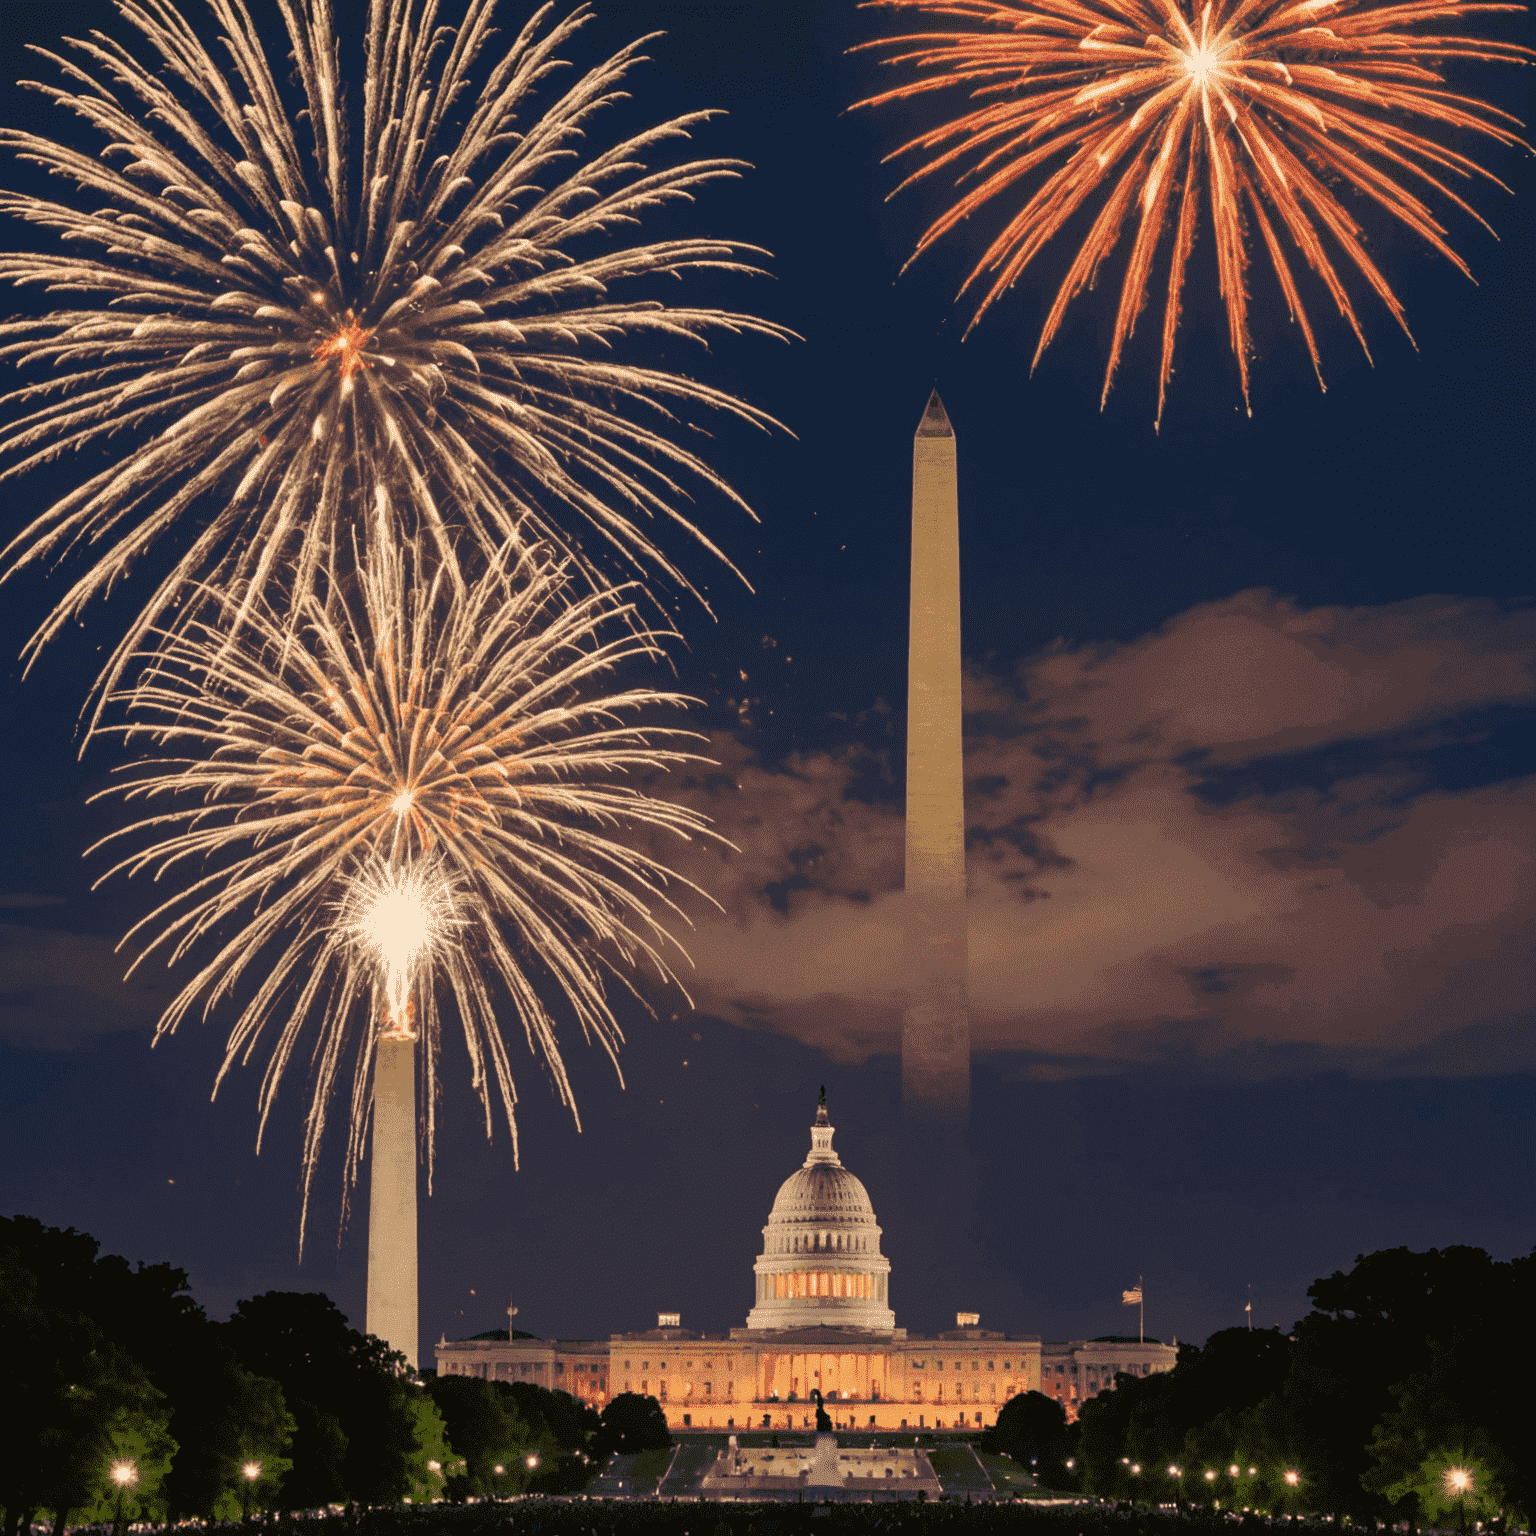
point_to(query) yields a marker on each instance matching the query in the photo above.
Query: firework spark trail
(432, 351)
(399, 914)
(405, 735)
(1265, 106)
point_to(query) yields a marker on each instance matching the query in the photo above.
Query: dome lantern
(821, 1264)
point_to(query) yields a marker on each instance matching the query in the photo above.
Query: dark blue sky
(1134, 1147)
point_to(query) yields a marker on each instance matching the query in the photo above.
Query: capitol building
(821, 1320)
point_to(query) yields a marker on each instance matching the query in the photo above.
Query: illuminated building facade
(822, 1320)
(1082, 1368)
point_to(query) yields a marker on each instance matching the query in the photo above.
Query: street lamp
(532, 1462)
(125, 1474)
(1458, 1482)
(250, 1471)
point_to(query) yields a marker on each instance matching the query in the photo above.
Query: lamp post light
(125, 1474)
(249, 1472)
(1292, 1480)
(532, 1462)
(1458, 1481)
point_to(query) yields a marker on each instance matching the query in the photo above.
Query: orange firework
(1275, 107)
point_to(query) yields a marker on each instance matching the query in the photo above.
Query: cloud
(58, 990)
(1225, 844)
(1261, 840)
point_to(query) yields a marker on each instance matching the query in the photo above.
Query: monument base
(825, 1471)
(819, 1472)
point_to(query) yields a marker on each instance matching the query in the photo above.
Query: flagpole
(1141, 1286)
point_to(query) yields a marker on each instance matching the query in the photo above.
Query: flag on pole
(1248, 1307)
(1131, 1298)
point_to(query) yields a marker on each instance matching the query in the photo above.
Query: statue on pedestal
(823, 1423)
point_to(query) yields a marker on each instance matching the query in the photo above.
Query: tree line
(284, 1406)
(1402, 1395)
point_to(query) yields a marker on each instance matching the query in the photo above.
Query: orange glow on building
(828, 1330)
(822, 1283)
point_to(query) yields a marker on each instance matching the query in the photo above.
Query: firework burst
(1269, 109)
(426, 343)
(411, 786)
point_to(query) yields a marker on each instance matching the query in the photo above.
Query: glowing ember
(346, 344)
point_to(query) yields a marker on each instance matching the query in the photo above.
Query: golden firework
(452, 330)
(408, 785)
(1270, 109)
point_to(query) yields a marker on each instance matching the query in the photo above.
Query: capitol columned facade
(821, 1320)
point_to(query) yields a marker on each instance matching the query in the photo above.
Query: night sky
(1251, 757)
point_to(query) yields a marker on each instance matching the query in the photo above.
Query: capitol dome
(821, 1264)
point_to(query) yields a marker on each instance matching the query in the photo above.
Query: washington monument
(392, 1306)
(935, 1031)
